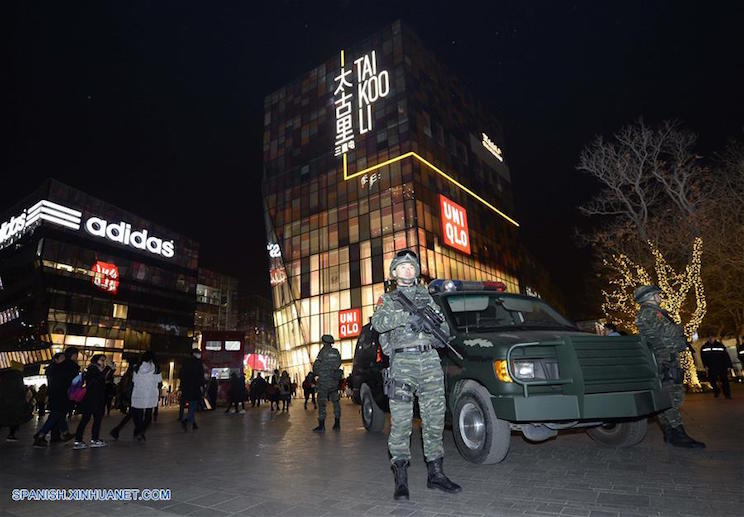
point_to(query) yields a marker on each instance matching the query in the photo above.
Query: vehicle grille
(615, 364)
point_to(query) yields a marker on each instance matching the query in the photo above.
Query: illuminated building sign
(274, 250)
(454, 225)
(370, 179)
(278, 275)
(69, 218)
(123, 234)
(371, 85)
(106, 276)
(492, 148)
(349, 323)
(41, 211)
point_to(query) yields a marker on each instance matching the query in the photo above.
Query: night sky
(157, 107)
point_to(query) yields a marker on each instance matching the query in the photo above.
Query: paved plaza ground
(268, 464)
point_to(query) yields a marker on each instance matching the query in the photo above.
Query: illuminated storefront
(76, 271)
(378, 149)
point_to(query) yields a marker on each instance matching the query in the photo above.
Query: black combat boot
(694, 444)
(400, 471)
(321, 427)
(437, 479)
(677, 437)
(337, 425)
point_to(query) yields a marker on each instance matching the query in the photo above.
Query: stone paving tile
(623, 499)
(264, 464)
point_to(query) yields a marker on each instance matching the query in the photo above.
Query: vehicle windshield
(491, 311)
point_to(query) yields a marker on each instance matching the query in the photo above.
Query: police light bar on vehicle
(448, 286)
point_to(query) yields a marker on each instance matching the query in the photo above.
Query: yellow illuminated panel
(411, 154)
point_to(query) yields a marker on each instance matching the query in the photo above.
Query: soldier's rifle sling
(432, 320)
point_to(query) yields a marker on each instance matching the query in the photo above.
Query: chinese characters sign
(349, 323)
(366, 84)
(454, 225)
(106, 276)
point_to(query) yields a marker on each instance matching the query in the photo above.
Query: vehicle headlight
(524, 369)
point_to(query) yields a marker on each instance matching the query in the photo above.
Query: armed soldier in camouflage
(666, 340)
(415, 369)
(326, 369)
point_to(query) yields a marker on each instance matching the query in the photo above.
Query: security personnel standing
(415, 369)
(666, 340)
(740, 351)
(326, 369)
(717, 361)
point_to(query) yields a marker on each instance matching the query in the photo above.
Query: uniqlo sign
(349, 323)
(454, 225)
(106, 276)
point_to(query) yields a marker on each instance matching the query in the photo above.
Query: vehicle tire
(373, 418)
(620, 434)
(479, 435)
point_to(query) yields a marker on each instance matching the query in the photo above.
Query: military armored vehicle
(521, 366)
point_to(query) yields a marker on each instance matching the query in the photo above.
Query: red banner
(349, 323)
(106, 276)
(454, 225)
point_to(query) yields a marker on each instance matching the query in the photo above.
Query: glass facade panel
(340, 234)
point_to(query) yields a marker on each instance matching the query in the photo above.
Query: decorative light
(620, 306)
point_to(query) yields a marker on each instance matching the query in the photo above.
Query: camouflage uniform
(422, 371)
(326, 368)
(666, 340)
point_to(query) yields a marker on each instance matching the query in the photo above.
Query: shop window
(232, 346)
(120, 311)
(215, 346)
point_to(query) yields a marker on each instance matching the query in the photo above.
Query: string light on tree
(675, 288)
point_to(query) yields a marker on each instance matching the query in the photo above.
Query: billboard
(454, 225)
(349, 323)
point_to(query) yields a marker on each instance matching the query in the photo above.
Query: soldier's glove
(417, 322)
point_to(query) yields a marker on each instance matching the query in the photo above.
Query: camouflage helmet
(403, 257)
(645, 292)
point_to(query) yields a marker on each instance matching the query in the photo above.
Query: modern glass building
(75, 270)
(378, 149)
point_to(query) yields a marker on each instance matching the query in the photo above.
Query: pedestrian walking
(93, 404)
(285, 390)
(667, 340)
(326, 369)
(145, 393)
(15, 408)
(257, 390)
(110, 387)
(415, 370)
(212, 388)
(124, 401)
(41, 400)
(234, 393)
(192, 380)
(717, 362)
(308, 387)
(60, 373)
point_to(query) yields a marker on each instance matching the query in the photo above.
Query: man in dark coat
(717, 361)
(192, 380)
(14, 410)
(59, 374)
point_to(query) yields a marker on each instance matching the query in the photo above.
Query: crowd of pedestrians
(92, 391)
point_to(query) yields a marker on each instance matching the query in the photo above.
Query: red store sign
(349, 323)
(454, 225)
(106, 276)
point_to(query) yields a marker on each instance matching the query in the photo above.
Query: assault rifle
(429, 320)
